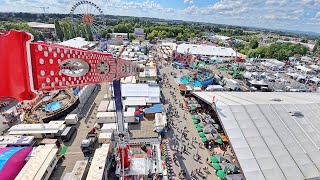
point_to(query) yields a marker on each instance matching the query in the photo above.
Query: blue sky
(301, 15)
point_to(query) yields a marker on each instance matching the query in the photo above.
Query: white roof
(221, 37)
(122, 34)
(105, 114)
(135, 101)
(37, 165)
(17, 140)
(41, 25)
(205, 50)
(148, 72)
(302, 68)
(98, 163)
(268, 140)
(140, 90)
(103, 107)
(77, 42)
(160, 120)
(36, 128)
(105, 135)
(168, 44)
(71, 116)
(112, 126)
(78, 171)
(111, 106)
(152, 100)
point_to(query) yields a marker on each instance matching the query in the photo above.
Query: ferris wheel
(87, 13)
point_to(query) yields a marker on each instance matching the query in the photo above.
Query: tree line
(276, 50)
(66, 30)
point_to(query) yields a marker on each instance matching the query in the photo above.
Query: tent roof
(269, 141)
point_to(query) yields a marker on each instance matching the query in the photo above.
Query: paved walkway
(74, 152)
(176, 140)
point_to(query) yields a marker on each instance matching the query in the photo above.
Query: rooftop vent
(276, 99)
(296, 113)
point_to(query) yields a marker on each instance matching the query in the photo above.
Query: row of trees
(22, 26)
(65, 30)
(280, 51)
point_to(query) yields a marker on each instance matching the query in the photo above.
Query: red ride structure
(28, 67)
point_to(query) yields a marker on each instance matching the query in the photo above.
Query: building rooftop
(148, 72)
(40, 159)
(274, 135)
(221, 37)
(41, 25)
(97, 167)
(36, 128)
(140, 90)
(16, 140)
(205, 50)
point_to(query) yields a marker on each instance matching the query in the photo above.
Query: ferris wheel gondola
(87, 13)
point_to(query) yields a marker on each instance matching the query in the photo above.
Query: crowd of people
(182, 142)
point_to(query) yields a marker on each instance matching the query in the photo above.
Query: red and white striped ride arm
(28, 67)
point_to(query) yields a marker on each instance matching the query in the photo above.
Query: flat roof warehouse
(274, 135)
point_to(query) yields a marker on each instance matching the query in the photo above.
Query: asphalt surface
(74, 152)
(176, 140)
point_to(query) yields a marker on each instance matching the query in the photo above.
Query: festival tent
(221, 174)
(209, 136)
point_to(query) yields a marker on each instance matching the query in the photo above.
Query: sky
(303, 15)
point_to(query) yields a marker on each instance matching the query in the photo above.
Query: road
(186, 161)
(74, 152)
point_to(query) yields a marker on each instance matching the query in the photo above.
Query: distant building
(221, 38)
(139, 33)
(43, 27)
(119, 36)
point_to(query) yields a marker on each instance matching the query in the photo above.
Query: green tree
(72, 31)
(151, 37)
(109, 30)
(179, 37)
(253, 43)
(132, 36)
(316, 48)
(108, 36)
(59, 32)
(41, 38)
(89, 33)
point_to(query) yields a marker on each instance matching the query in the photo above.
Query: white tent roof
(269, 142)
(140, 90)
(77, 42)
(205, 50)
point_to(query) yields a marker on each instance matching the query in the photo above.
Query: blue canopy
(157, 108)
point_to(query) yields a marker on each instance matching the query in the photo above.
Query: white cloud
(317, 16)
(231, 7)
(311, 2)
(188, 1)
